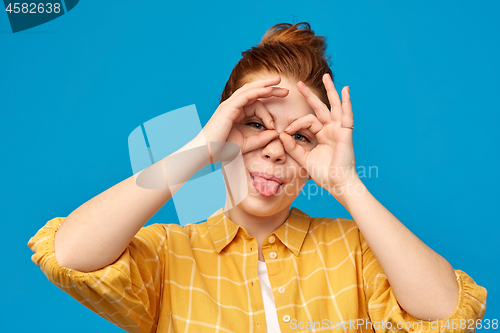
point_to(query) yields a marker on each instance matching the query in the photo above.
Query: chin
(256, 208)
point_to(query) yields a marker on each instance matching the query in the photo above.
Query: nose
(274, 151)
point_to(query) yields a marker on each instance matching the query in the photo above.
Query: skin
(96, 233)
(423, 282)
(260, 215)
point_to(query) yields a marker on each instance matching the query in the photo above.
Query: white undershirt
(268, 299)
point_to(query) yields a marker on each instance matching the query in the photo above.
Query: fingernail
(272, 124)
(288, 128)
(348, 90)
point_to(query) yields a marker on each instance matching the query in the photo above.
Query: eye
(256, 125)
(301, 137)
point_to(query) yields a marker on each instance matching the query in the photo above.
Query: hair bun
(297, 34)
(291, 51)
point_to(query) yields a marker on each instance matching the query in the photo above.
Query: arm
(96, 233)
(423, 282)
(127, 292)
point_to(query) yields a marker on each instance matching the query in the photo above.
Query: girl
(262, 265)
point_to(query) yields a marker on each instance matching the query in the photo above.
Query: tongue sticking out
(265, 187)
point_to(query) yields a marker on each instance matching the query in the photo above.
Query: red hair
(290, 50)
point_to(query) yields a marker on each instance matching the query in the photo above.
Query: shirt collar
(291, 233)
(222, 230)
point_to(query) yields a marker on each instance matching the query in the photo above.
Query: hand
(331, 163)
(244, 103)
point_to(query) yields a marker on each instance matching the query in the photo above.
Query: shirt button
(281, 290)
(286, 318)
(272, 239)
(273, 255)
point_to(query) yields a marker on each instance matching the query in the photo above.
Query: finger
(259, 109)
(257, 141)
(309, 121)
(333, 97)
(266, 82)
(293, 149)
(316, 104)
(262, 83)
(347, 116)
(248, 97)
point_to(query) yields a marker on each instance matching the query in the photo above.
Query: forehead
(285, 109)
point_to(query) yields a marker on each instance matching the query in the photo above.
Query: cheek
(234, 136)
(300, 176)
(300, 184)
(309, 146)
(250, 159)
(301, 173)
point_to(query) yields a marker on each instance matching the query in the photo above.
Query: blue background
(424, 84)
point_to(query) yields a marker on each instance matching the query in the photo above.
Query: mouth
(267, 177)
(266, 185)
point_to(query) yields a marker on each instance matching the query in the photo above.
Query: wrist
(348, 191)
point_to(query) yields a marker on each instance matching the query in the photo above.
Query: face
(263, 197)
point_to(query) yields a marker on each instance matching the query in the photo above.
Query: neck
(258, 226)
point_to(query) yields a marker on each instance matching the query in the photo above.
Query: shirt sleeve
(126, 292)
(384, 308)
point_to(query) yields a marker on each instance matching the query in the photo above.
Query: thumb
(293, 149)
(257, 141)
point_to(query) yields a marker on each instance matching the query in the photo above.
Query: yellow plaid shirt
(203, 278)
